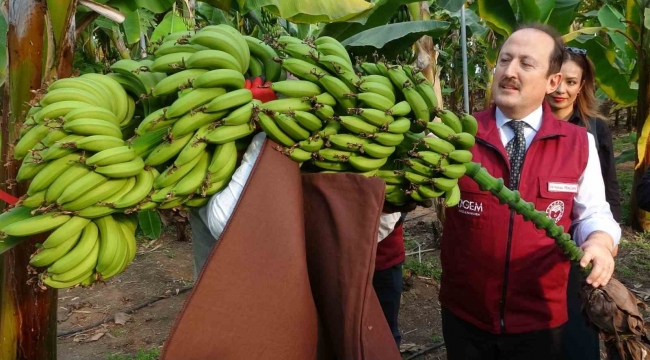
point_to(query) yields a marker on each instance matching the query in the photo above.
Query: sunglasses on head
(576, 50)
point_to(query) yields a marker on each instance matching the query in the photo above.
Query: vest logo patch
(471, 208)
(562, 187)
(555, 210)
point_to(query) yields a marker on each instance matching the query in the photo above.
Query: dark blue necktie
(516, 149)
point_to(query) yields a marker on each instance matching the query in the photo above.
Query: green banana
(452, 196)
(227, 101)
(59, 109)
(402, 108)
(377, 88)
(440, 130)
(173, 174)
(51, 172)
(303, 69)
(81, 186)
(308, 120)
(47, 257)
(193, 180)
(112, 156)
(224, 134)
(73, 226)
(109, 238)
(339, 90)
(375, 101)
(167, 150)
(357, 125)
(213, 60)
(97, 143)
(29, 140)
(143, 185)
(92, 127)
(438, 145)
(290, 127)
(373, 116)
(191, 122)
(266, 54)
(95, 112)
(61, 183)
(193, 100)
(450, 119)
(470, 125)
(453, 171)
(296, 88)
(193, 148)
(461, 156)
(122, 170)
(273, 131)
(89, 237)
(285, 105)
(95, 195)
(226, 78)
(178, 81)
(170, 62)
(463, 140)
(36, 224)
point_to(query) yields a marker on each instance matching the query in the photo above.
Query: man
(503, 286)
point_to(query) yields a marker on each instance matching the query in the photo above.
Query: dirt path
(163, 267)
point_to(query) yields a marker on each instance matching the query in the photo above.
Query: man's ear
(553, 82)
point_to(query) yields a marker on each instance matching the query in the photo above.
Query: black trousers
(580, 338)
(465, 341)
(388, 287)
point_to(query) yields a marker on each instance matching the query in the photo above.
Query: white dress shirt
(590, 209)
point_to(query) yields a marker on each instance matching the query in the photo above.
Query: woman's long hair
(586, 102)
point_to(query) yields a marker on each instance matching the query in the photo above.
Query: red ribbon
(8, 198)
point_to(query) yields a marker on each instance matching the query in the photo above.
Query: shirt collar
(534, 119)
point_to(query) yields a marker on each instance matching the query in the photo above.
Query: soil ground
(163, 268)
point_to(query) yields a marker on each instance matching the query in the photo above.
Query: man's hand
(598, 250)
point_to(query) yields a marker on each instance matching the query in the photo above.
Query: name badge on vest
(562, 187)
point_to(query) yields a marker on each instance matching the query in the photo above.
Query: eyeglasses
(576, 50)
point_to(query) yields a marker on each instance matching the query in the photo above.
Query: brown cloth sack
(253, 299)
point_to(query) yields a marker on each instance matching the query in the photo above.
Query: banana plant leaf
(156, 6)
(529, 11)
(212, 14)
(379, 15)
(451, 5)
(642, 143)
(646, 14)
(545, 9)
(563, 14)
(297, 11)
(172, 22)
(614, 20)
(60, 12)
(633, 16)
(150, 223)
(9, 242)
(393, 39)
(610, 80)
(498, 14)
(132, 25)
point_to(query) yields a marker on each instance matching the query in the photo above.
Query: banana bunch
(434, 164)
(79, 250)
(193, 142)
(369, 119)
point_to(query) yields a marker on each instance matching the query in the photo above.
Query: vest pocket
(555, 197)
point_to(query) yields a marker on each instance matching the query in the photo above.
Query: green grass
(624, 142)
(150, 354)
(633, 263)
(625, 182)
(429, 267)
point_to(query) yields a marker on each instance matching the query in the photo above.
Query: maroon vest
(499, 272)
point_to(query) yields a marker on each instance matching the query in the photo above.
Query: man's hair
(557, 55)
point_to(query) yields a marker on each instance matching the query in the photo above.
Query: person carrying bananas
(504, 282)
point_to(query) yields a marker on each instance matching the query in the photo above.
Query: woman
(575, 101)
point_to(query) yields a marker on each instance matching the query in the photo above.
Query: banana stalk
(506, 196)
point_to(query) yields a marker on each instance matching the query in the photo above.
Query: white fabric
(221, 205)
(590, 208)
(387, 224)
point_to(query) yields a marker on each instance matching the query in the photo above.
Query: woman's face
(565, 95)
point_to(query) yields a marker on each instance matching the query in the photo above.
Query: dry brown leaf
(96, 337)
(121, 318)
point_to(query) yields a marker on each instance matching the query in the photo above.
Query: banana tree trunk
(640, 220)
(28, 313)
(427, 57)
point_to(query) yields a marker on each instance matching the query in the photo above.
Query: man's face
(520, 81)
